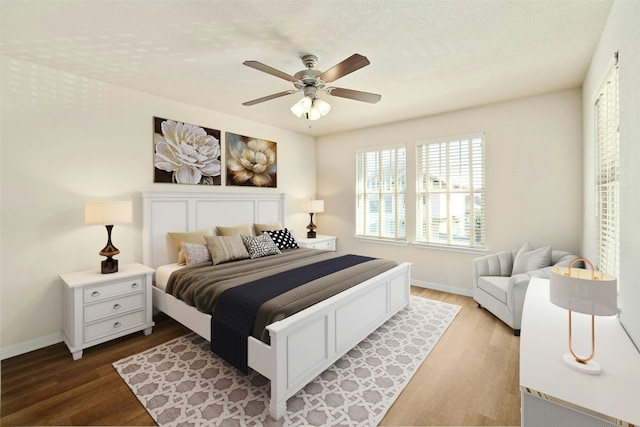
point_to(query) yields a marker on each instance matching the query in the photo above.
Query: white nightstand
(100, 307)
(327, 243)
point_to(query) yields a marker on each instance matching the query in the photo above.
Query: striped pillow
(226, 248)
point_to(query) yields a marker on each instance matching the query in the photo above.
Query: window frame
(398, 194)
(423, 192)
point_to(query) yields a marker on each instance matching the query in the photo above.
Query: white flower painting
(186, 153)
(250, 161)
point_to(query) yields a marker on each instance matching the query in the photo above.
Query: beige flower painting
(250, 161)
(186, 153)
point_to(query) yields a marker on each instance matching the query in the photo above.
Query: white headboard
(168, 211)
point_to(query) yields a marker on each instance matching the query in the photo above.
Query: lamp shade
(322, 106)
(301, 107)
(583, 291)
(107, 212)
(312, 206)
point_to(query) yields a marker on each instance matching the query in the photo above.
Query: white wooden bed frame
(302, 345)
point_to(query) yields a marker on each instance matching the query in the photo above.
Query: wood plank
(470, 378)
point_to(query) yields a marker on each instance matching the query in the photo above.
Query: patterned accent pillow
(283, 239)
(195, 253)
(226, 248)
(259, 246)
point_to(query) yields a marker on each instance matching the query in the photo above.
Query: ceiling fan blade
(270, 70)
(349, 65)
(269, 97)
(371, 98)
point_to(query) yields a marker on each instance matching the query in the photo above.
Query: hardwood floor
(470, 378)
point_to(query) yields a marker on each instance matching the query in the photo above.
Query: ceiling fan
(311, 81)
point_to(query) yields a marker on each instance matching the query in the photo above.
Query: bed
(301, 346)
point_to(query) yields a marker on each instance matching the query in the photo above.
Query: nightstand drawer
(113, 326)
(107, 308)
(326, 245)
(321, 242)
(97, 293)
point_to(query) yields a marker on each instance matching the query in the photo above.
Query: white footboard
(307, 343)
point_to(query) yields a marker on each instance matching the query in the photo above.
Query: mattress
(162, 274)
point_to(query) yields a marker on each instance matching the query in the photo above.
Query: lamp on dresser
(312, 207)
(583, 291)
(108, 213)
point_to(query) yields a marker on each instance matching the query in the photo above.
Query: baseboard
(31, 345)
(444, 288)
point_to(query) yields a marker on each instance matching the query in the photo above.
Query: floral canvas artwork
(186, 153)
(250, 161)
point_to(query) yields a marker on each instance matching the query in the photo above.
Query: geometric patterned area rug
(182, 383)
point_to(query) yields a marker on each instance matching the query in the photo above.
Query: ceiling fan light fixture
(322, 106)
(314, 113)
(301, 107)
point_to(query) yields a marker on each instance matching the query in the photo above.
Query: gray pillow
(195, 253)
(531, 259)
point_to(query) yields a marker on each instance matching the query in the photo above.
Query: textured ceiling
(427, 57)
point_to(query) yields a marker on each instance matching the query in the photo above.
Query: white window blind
(450, 192)
(381, 193)
(608, 174)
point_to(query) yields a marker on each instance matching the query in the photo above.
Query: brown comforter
(200, 286)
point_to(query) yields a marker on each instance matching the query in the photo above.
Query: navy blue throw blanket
(237, 308)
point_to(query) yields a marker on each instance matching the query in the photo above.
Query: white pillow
(529, 259)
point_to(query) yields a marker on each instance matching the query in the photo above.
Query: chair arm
(496, 264)
(517, 289)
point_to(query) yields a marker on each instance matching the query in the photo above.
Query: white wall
(621, 34)
(67, 139)
(533, 181)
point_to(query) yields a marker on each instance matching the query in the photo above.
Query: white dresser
(100, 307)
(327, 243)
(553, 394)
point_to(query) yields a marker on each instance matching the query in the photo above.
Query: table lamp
(583, 291)
(108, 213)
(311, 207)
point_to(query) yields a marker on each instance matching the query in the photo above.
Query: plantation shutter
(450, 200)
(608, 174)
(381, 193)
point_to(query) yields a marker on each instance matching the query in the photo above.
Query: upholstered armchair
(500, 280)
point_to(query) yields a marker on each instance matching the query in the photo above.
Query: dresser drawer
(100, 292)
(113, 326)
(108, 308)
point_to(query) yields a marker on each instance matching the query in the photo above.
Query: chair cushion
(496, 286)
(532, 259)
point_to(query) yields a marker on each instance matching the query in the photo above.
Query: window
(608, 174)
(450, 208)
(381, 193)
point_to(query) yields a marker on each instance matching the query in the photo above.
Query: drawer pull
(95, 294)
(116, 306)
(117, 325)
(134, 286)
